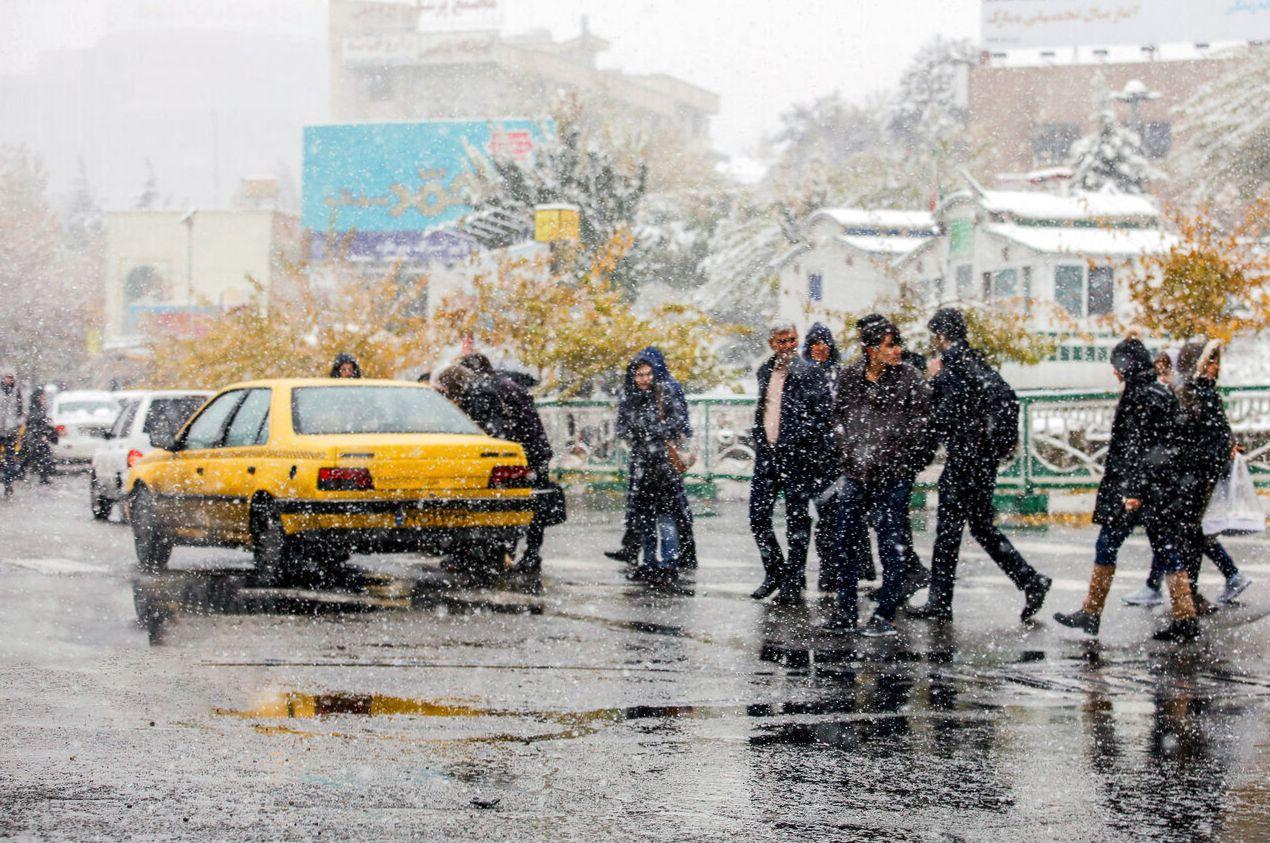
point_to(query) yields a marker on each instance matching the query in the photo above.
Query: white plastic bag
(1234, 506)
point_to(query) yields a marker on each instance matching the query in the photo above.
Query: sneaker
(1080, 619)
(1145, 596)
(877, 628)
(1181, 629)
(1235, 586)
(1035, 593)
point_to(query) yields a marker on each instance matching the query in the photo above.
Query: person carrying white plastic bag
(1234, 507)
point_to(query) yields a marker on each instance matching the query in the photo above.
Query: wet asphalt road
(399, 707)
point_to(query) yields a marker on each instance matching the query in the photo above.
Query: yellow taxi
(305, 471)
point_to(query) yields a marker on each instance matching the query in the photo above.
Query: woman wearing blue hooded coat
(631, 543)
(649, 417)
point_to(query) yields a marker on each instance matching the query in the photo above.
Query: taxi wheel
(485, 562)
(101, 505)
(153, 547)
(274, 553)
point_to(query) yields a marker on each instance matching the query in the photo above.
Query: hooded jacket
(1142, 454)
(832, 367)
(646, 419)
(672, 391)
(1203, 432)
(340, 360)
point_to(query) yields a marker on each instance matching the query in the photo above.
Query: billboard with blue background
(383, 189)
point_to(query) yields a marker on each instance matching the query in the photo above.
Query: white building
(164, 268)
(1064, 262)
(847, 261)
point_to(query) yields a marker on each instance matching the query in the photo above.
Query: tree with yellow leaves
(296, 328)
(578, 333)
(1211, 281)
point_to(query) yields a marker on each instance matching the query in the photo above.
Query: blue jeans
(885, 504)
(663, 527)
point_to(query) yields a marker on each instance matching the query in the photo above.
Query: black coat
(959, 419)
(883, 427)
(523, 423)
(646, 420)
(481, 398)
(804, 449)
(1142, 455)
(1204, 441)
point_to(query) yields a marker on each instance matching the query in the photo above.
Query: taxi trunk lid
(444, 461)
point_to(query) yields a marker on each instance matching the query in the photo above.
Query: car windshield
(89, 406)
(166, 415)
(375, 409)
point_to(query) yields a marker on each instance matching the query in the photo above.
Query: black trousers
(965, 499)
(770, 481)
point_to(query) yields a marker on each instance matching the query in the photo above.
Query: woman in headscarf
(650, 417)
(345, 366)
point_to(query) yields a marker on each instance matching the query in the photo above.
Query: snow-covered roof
(887, 219)
(1035, 205)
(882, 245)
(1112, 242)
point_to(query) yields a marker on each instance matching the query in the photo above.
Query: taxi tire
(154, 548)
(485, 562)
(100, 504)
(274, 553)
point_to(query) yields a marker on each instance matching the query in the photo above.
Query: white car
(82, 419)
(143, 414)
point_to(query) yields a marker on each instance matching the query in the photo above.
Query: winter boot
(1088, 617)
(1035, 592)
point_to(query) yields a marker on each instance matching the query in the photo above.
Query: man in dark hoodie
(345, 366)
(820, 350)
(1139, 486)
(881, 417)
(793, 456)
(966, 392)
(631, 542)
(525, 427)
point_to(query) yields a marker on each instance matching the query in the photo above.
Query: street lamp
(1135, 92)
(188, 222)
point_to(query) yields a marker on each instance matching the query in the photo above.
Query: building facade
(165, 269)
(390, 64)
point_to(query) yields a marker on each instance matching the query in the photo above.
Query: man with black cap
(793, 456)
(971, 399)
(1139, 486)
(881, 416)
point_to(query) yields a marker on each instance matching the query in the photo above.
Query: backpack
(1000, 410)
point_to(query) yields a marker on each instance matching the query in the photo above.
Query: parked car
(141, 415)
(304, 472)
(82, 419)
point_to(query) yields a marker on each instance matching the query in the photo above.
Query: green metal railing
(1063, 440)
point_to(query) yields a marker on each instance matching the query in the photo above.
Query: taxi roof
(289, 383)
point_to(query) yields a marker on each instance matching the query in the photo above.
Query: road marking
(58, 566)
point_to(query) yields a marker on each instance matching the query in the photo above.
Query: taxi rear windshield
(319, 410)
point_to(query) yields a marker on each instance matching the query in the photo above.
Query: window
(937, 290)
(815, 287)
(123, 422)
(1102, 290)
(249, 422)
(1069, 283)
(206, 430)
(379, 84)
(1053, 142)
(1005, 284)
(375, 409)
(985, 286)
(965, 282)
(166, 415)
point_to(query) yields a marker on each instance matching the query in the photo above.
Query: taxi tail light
(345, 479)
(133, 456)
(509, 477)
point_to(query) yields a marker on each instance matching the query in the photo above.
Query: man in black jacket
(793, 456)
(1140, 485)
(523, 425)
(966, 485)
(881, 415)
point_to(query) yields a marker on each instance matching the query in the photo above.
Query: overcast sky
(760, 56)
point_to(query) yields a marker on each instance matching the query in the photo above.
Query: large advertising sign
(384, 189)
(1075, 23)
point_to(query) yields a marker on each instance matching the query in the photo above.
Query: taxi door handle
(251, 469)
(198, 471)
